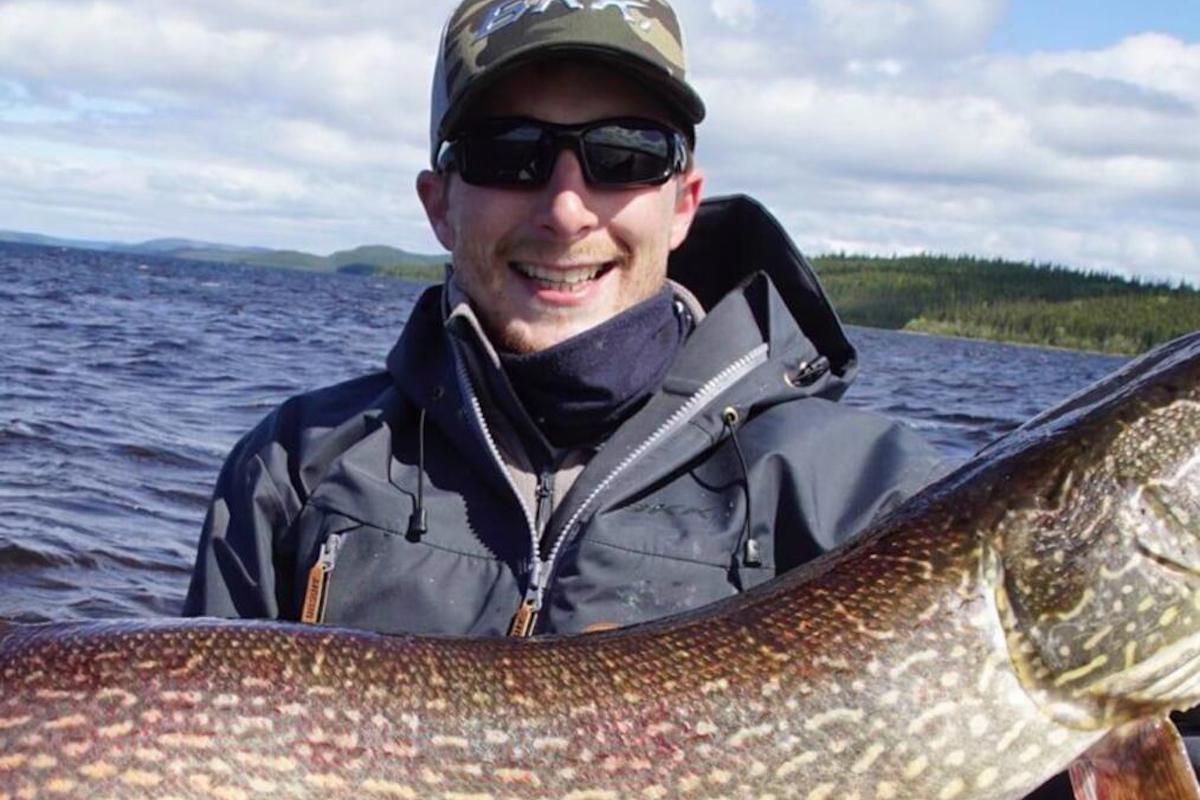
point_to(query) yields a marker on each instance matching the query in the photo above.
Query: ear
(434, 191)
(688, 190)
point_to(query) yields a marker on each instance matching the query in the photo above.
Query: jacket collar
(733, 238)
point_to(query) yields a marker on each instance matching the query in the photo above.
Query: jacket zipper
(316, 596)
(525, 619)
(536, 594)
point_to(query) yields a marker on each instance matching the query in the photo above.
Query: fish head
(1099, 587)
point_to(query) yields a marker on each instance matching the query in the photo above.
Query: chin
(523, 338)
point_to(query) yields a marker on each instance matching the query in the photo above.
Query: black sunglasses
(520, 152)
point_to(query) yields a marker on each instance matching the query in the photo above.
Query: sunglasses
(521, 153)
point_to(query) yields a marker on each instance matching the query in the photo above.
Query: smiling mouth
(562, 279)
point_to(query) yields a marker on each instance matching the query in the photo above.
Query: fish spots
(720, 777)
(115, 730)
(229, 793)
(522, 777)
(745, 734)
(592, 794)
(262, 785)
(844, 715)
(953, 789)
(188, 698)
(493, 736)
(61, 786)
(1168, 617)
(1082, 672)
(140, 779)
(63, 723)
(389, 789)
(918, 725)
(987, 778)
(922, 657)
(293, 710)
(1097, 637)
(978, 725)
(98, 771)
(120, 696)
(822, 791)
(11, 762)
(457, 742)
(8, 723)
(1130, 654)
(655, 792)
(76, 749)
(551, 743)
(148, 754)
(915, 767)
(885, 790)
(1029, 753)
(244, 725)
(793, 765)
(188, 741)
(326, 781)
(867, 759)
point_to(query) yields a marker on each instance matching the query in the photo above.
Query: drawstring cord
(747, 545)
(418, 523)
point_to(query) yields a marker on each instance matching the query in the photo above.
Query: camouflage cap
(484, 39)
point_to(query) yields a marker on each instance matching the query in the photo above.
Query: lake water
(124, 380)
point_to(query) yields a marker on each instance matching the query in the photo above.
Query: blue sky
(1064, 132)
(1031, 25)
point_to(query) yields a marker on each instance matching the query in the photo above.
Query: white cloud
(875, 125)
(738, 14)
(905, 27)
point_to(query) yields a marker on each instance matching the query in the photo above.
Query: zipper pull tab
(317, 593)
(525, 620)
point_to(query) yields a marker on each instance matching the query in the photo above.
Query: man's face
(544, 264)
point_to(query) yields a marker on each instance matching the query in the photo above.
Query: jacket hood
(734, 237)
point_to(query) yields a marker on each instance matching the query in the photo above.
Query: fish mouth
(568, 278)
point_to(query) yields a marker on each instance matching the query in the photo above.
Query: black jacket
(654, 524)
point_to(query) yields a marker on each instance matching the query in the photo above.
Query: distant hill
(367, 259)
(1008, 301)
(1040, 304)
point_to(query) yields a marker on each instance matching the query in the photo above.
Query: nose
(565, 209)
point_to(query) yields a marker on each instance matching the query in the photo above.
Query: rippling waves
(126, 379)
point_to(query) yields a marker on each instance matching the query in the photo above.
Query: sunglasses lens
(623, 154)
(505, 155)
(523, 152)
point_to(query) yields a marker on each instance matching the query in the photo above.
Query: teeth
(558, 278)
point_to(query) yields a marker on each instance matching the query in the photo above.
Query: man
(564, 440)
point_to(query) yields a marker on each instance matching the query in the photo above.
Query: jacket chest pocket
(368, 578)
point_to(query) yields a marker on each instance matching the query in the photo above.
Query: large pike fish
(1041, 602)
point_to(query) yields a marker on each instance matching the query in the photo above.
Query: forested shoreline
(1007, 301)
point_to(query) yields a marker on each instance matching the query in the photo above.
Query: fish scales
(970, 646)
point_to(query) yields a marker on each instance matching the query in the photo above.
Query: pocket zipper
(317, 594)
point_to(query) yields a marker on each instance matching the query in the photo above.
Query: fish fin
(1139, 760)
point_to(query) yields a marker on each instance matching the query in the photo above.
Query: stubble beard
(483, 275)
